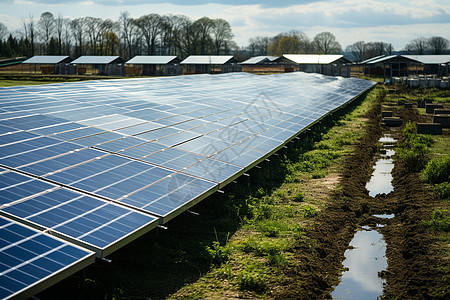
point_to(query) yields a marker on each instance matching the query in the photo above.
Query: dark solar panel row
(100, 163)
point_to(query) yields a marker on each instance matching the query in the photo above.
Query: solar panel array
(29, 259)
(99, 163)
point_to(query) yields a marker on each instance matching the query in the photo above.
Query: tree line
(150, 34)
(155, 34)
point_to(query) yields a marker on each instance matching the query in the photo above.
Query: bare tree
(326, 43)
(106, 37)
(417, 46)
(222, 34)
(30, 33)
(66, 36)
(93, 30)
(373, 49)
(184, 35)
(59, 30)
(128, 30)
(150, 26)
(78, 34)
(168, 24)
(358, 50)
(174, 37)
(304, 42)
(262, 43)
(252, 46)
(259, 45)
(111, 42)
(3, 31)
(438, 45)
(204, 26)
(46, 26)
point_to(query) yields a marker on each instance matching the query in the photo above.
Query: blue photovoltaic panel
(171, 195)
(29, 258)
(99, 163)
(122, 139)
(96, 224)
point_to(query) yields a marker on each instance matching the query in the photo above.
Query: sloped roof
(423, 59)
(372, 59)
(316, 59)
(430, 59)
(46, 59)
(381, 59)
(259, 60)
(95, 60)
(152, 59)
(207, 60)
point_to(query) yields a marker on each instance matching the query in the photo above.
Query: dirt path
(413, 271)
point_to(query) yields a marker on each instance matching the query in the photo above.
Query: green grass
(438, 170)
(8, 83)
(7, 80)
(440, 221)
(432, 94)
(413, 149)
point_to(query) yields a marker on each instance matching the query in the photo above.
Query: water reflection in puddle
(381, 180)
(385, 216)
(364, 260)
(387, 138)
(367, 254)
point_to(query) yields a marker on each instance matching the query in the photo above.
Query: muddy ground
(413, 263)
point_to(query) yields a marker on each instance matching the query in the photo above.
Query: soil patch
(413, 271)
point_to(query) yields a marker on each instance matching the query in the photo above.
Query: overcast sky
(396, 22)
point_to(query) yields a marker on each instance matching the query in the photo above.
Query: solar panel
(31, 261)
(98, 225)
(100, 163)
(209, 129)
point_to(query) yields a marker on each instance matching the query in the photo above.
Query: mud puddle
(381, 180)
(365, 259)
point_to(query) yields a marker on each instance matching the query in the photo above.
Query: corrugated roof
(207, 59)
(384, 58)
(259, 60)
(46, 59)
(321, 59)
(430, 59)
(151, 59)
(372, 59)
(95, 60)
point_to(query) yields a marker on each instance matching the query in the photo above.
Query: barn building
(154, 65)
(212, 64)
(99, 65)
(262, 64)
(326, 64)
(49, 64)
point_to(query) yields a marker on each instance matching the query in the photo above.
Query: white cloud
(350, 20)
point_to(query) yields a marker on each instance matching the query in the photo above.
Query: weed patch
(299, 197)
(218, 254)
(440, 221)
(309, 211)
(413, 148)
(251, 281)
(438, 170)
(443, 190)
